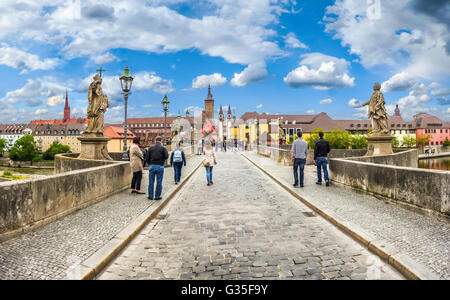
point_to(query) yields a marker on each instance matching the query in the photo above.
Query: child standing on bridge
(209, 162)
(177, 159)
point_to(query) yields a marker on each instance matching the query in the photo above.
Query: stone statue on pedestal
(98, 102)
(377, 112)
(94, 144)
(379, 140)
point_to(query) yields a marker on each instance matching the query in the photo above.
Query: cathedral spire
(67, 108)
(210, 96)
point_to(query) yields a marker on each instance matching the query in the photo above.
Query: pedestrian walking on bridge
(156, 158)
(209, 161)
(321, 150)
(136, 164)
(177, 160)
(299, 154)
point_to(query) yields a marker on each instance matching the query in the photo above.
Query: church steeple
(229, 116)
(397, 111)
(209, 105)
(210, 96)
(221, 114)
(66, 109)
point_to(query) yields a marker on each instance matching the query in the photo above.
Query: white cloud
(259, 106)
(326, 101)
(55, 100)
(203, 81)
(253, 73)
(142, 81)
(240, 32)
(354, 103)
(41, 112)
(403, 35)
(310, 112)
(441, 92)
(320, 72)
(415, 102)
(18, 59)
(399, 82)
(103, 58)
(36, 89)
(292, 41)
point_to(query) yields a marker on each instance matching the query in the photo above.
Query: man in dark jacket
(321, 150)
(155, 158)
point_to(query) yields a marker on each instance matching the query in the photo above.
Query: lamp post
(126, 80)
(165, 104)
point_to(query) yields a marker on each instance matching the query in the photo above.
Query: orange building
(117, 134)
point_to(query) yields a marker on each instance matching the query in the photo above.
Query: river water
(442, 163)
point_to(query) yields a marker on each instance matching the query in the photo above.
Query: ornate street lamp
(126, 80)
(165, 104)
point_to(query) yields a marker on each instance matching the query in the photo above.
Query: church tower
(397, 111)
(221, 118)
(229, 116)
(66, 110)
(209, 105)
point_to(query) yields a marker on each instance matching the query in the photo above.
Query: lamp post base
(94, 148)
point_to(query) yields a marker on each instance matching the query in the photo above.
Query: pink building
(426, 124)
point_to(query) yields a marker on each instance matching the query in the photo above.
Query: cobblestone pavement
(424, 238)
(49, 251)
(244, 226)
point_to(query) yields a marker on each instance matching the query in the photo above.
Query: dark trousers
(299, 163)
(177, 170)
(136, 181)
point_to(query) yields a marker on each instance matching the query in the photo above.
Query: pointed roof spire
(229, 109)
(210, 96)
(220, 110)
(179, 114)
(67, 99)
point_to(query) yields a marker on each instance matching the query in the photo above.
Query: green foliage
(359, 142)
(3, 144)
(24, 149)
(446, 142)
(338, 139)
(313, 137)
(395, 142)
(38, 159)
(409, 141)
(55, 148)
(7, 173)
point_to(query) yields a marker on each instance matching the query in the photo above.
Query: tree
(423, 140)
(395, 142)
(359, 142)
(24, 149)
(55, 148)
(338, 139)
(409, 141)
(3, 144)
(446, 142)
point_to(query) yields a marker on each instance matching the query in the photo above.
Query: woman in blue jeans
(209, 161)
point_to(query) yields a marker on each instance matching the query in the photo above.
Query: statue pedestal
(95, 148)
(379, 145)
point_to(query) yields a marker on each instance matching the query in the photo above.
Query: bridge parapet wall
(427, 189)
(27, 204)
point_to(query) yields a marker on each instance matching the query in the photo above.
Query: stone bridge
(250, 224)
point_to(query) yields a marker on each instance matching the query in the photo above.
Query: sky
(273, 56)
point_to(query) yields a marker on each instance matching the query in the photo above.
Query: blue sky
(295, 57)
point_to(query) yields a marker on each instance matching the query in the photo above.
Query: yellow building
(65, 134)
(117, 134)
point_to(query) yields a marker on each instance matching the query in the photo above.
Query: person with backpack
(177, 160)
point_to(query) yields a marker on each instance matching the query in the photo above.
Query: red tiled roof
(71, 121)
(116, 132)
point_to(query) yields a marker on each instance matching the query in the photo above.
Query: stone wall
(429, 189)
(30, 203)
(284, 156)
(408, 158)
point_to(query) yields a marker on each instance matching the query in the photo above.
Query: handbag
(205, 163)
